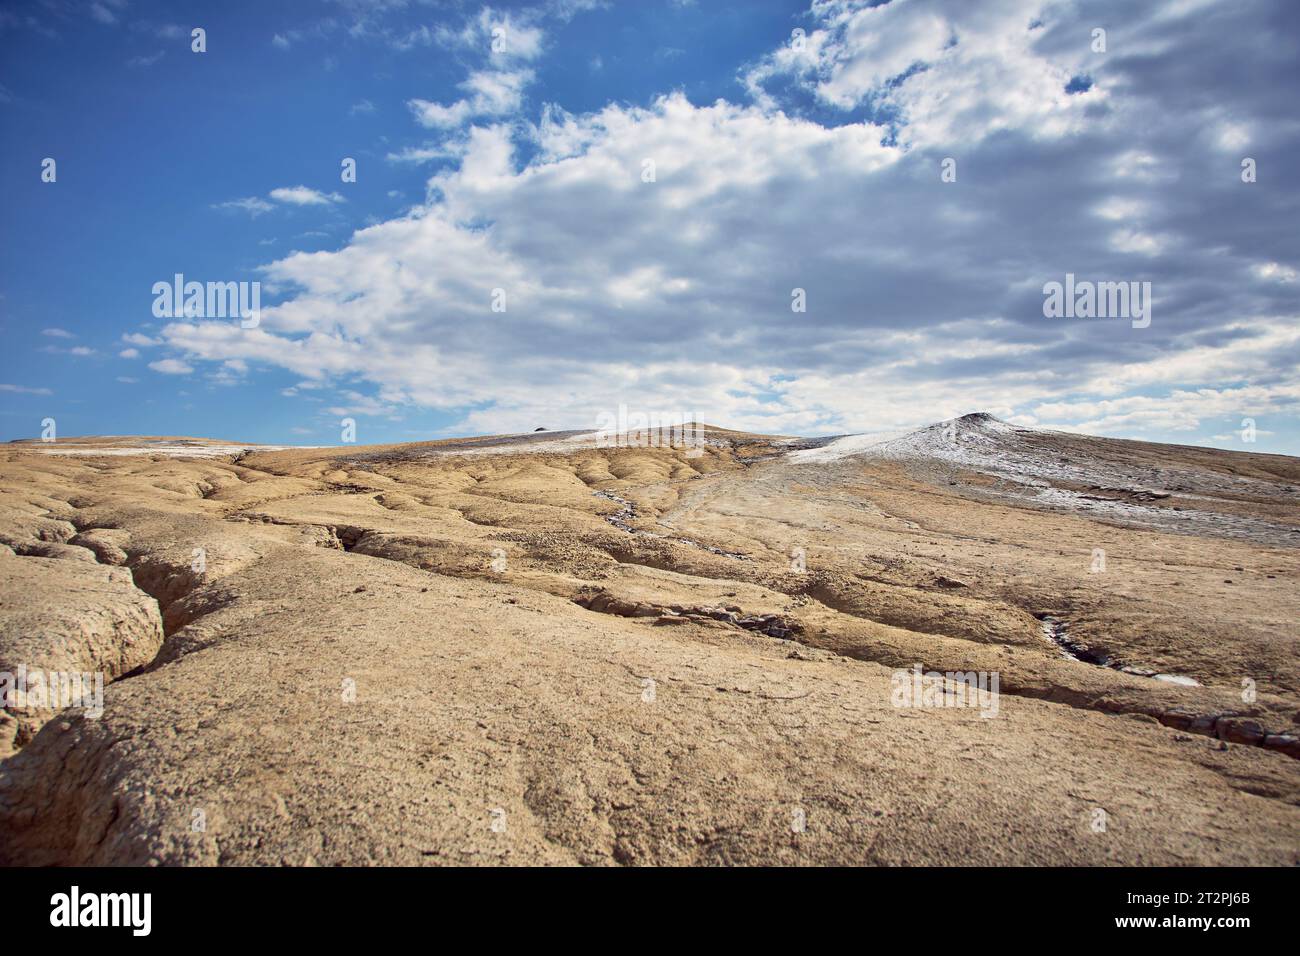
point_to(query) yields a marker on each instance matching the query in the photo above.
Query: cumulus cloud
(651, 254)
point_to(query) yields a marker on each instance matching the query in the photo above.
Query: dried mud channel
(1057, 631)
(626, 514)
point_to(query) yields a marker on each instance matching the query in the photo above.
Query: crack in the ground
(773, 625)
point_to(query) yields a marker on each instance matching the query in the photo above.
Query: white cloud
(303, 196)
(251, 205)
(171, 367)
(1274, 271)
(954, 72)
(24, 390)
(423, 154)
(1180, 410)
(491, 93)
(58, 333)
(231, 372)
(1117, 208)
(285, 195)
(1133, 240)
(502, 36)
(1232, 137)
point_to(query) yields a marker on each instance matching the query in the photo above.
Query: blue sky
(782, 161)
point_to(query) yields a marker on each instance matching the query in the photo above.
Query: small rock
(1240, 731)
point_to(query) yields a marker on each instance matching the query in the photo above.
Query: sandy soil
(544, 649)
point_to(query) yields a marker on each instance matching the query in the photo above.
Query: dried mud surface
(532, 649)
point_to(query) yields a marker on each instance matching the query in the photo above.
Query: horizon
(787, 218)
(582, 431)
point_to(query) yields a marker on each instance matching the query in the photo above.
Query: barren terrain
(562, 648)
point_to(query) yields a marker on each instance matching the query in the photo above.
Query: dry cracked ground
(535, 650)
